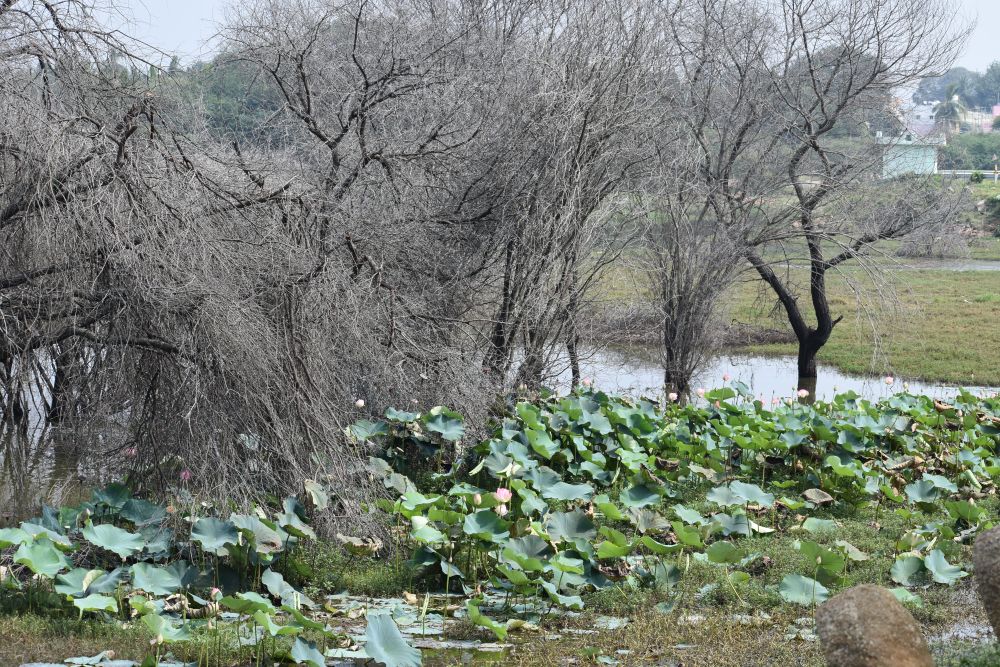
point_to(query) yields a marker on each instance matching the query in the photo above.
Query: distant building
(910, 154)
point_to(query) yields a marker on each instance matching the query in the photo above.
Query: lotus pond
(586, 528)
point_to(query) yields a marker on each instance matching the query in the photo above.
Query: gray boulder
(866, 626)
(986, 564)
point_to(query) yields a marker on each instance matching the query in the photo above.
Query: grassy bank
(938, 326)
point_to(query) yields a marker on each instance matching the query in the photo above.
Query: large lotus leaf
(42, 557)
(941, 570)
(725, 496)
(528, 552)
(317, 493)
(659, 548)
(568, 601)
(293, 524)
(724, 553)
(568, 492)
(639, 495)
(736, 524)
(609, 549)
(752, 493)
(156, 580)
(394, 415)
(687, 535)
(265, 539)
(159, 540)
(647, 521)
(570, 526)
(247, 603)
(114, 539)
(924, 491)
(114, 496)
(424, 532)
(96, 602)
(36, 530)
(540, 441)
(446, 423)
(165, 629)
(13, 537)
(281, 589)
(597, 422)
(802, 590)
(688, 515)
(483, 621)
(542, 477)
(366, 430)
(80, 582)
(906, 568)
(942, 483)
(486, 525)
(214, 535)
(608, 508)
(386, 645)
(266, 621)
(142, 512)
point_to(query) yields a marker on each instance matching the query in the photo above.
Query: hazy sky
(184, 27)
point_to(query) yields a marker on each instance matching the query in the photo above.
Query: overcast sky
(185, 27)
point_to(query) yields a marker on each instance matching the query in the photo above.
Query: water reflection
(636, 371)
(45, 466)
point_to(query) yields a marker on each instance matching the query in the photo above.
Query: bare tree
(768, 85)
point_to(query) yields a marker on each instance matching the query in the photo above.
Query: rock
(817, 496)
(986, 567)
(866, 626)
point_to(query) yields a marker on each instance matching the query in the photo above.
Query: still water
(635, 371)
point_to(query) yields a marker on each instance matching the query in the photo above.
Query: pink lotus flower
(503, 495)
(215, 594)
(889, 380)
(360, 403)
(803, 393)
(502, 510)
(185, 475)
(700, 392)
(586, 382)
(775, 401)
(727, 377)
(718, 404)
(672, 397)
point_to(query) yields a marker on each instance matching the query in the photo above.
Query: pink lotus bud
(700, 392)
(889, 380)
(586, 382)
(215, 594)
(727, 377)
(672, 397)
(502, 510)
(718, 404)
(503, 495)
(185, 475)
(477, 499)
(775, 401)
(803, 393)
(360, 403)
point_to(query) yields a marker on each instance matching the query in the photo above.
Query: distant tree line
(975, 89)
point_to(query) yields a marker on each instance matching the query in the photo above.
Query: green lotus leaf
(317, 494)
(13, 537)
(723, 552)
(80, 582)
(265, 539)
(386, 645)
(483, 621)
(156, 580)
(568, 492)
(114, 539)
(906, 568)
(752, 493)
(486, 525)
(639, 495)
(541, 443)
(42, 557)
(446, 423)
(802, 590)
(214, 535)
(266, 621)
(528, 552)
(941, 570)
(281, 589)
(96, 602)
(570, 526)
(165, 629)
(142, 512)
